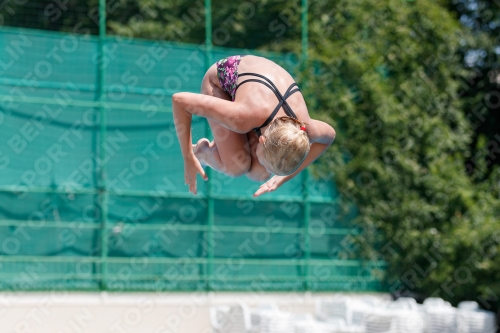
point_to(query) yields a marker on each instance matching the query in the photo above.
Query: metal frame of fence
(103, 192)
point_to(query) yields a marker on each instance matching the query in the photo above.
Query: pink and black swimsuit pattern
(227, 72)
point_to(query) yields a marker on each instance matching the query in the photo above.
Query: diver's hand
(271, 185)
(191, 168)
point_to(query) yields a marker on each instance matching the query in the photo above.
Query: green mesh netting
(92, 194)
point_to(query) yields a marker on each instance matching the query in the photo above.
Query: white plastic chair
(468, 305)
(230, 319)
(379, 321)
(471, 319)
(269, 319)
(435, 302)
(350, 309)
(440, 316)
(344, 313)
(408, 316)
(332, 308)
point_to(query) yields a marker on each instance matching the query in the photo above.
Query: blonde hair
(286, 145)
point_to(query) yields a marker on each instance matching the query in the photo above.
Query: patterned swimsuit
(227, 72)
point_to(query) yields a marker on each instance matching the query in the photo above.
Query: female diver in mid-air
(258, 130)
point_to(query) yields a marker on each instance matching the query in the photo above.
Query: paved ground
(132, 312)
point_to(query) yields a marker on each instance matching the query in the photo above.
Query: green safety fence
(92, 194)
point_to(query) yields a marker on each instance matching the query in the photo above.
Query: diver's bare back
(260, 99)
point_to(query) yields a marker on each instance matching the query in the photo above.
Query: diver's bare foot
(199, 150)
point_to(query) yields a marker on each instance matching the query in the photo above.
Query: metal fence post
(305, 37)
(307, 219)
(208, 33)
(305, 172)
(210, 200)
(103, 194)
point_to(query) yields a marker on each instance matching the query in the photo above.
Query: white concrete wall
(131, 312)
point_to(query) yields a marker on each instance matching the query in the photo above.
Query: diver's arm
(321, 136)
(184, 106)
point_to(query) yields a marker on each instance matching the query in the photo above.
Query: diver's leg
(229, 152)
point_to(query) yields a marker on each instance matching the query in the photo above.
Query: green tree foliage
(481, 90)
(249, 24)
(389, 78)
(61, 15)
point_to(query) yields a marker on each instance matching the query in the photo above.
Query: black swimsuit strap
(281, 98)
(276, 91)
(258, 75)
(283, 104)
